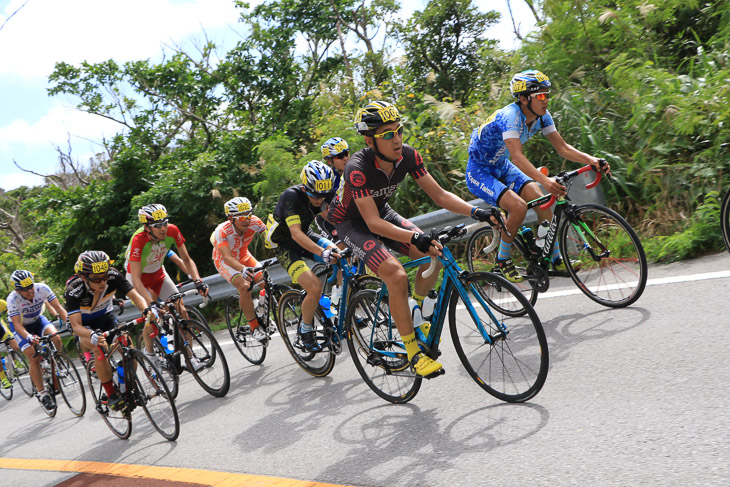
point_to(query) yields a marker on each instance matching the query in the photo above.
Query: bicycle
(266, 313)
(725, 219)
(193, 311)
(138, 381)
(506, 355)
(16, 368)
(60, 377)
(328, 324)
(192, 340)
(602, 253)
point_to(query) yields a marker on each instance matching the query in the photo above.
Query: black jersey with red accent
(363, 177)
(294, 207)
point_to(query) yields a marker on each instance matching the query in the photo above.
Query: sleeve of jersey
(510, 125)
(219, 240)
(51, 295)
(135, 248)
(124, 285)
(257, 225)
(72, 304)
(357, 180)
(420, 169)
(175, 233)
(548, 124)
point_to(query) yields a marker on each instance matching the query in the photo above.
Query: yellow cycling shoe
(559, 265)
(425, 366)
(507, 269)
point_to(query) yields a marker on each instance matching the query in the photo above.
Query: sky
(44, 32)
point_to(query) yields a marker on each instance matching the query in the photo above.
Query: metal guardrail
(221, 289)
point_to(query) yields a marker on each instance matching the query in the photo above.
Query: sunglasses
(341, 155)
(97, 280)
(315, 196)
(161, 224)
(544, 96)
(390, 133)
(243, 218)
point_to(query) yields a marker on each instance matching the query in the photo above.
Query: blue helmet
(334, 147)
(527, 82)
(317, 178)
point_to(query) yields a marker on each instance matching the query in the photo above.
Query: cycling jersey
(292, 208)
(80, 298)
(151, 254)
(3, 306)
(226, 236)
(487, 145)
(29, 311)
(364, 177)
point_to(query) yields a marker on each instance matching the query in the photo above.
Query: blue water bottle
(168, 346)
(120, 378)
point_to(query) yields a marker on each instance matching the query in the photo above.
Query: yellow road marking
(207, 477)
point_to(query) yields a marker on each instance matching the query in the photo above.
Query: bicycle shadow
(567, 331)
(40, 428)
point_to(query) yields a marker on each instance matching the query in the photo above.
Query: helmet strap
(381, 156)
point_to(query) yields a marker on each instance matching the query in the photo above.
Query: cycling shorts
(327, 229)
(290, 255)
(159, 283)
(367, 246)
(105, 322)
(228, 272)
(490, 182)
(38, 328)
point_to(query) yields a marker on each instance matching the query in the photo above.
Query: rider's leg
(243, 286)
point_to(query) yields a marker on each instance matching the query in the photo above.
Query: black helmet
(375, 114)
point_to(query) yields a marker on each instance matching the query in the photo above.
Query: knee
(393, 274)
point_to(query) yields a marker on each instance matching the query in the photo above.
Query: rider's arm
(570, 153)
(19, 328)
(78, 327)
(192, 268)
(228, 258)
(177, 261)
(303, 239)
(135, 268)
(443, 198)
(523, 164)
(60, 311)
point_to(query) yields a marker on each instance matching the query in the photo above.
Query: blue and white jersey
(29, 311)
(487, 145)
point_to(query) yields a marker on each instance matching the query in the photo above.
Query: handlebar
(564, 177)
(444, 236)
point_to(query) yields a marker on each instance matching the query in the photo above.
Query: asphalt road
(634, 396)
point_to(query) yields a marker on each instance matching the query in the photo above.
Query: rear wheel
(21, 371)
(377, 349)
(69, 381)
(506, 355)
(252, 350)
(155, 398)
(195, 314)
(604, 256)
(119, 422)
(318, 364)
(204, 359)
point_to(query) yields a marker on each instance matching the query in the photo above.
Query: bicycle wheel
(725, 219)
(481, 252)
(150, 392)
(204, 358)
(7, 393)
(506, 355)
(165, 361)
(603, 255)
(21, 371)
(323, 272)
(318, 364)
(377, 349)
(119, 422)
(252, 350)
(195, 314)
(69, 381)
(48, 381)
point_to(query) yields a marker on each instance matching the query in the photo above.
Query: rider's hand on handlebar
(426, 244)
(493, 216)
(33, 339)
(201, 287)
(153, 308)
(553, 187)
(602, 165)
(247, 273)
(330, 255)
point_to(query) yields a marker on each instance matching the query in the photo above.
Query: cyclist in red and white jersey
(231, 257)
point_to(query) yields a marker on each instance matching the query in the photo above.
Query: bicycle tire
(252, 350)
(165, 362)
(517, 343)
(377, 350)
(616, 280)
(22, 372)
(196, 315)
(725, 219)
(70, 384)
(154, 396)
(477, 260)
(317, 364)
(48, 382)
(119, 422)
(7, 393)
(213, 376)
(323, 272)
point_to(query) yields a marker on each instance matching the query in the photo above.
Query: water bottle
(168, 345)
(336, 294)
(261, 304)
(542, 231)
(428, 304)
(327, 307)
(416, 314)
(120, 379)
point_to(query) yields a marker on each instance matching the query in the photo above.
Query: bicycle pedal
(435, 374)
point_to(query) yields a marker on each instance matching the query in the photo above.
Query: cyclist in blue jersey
(498, 170)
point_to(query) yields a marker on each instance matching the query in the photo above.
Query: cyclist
(509, 184)
(362, 216)
(145, 254)
(288, 232)
(89, 295)
(232, 259)
(336, 153)
(5, 336)
(25, 308)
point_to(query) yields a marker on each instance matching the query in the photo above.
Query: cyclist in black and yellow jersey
(5, 335)
(288, 232)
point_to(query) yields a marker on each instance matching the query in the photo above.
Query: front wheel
(604, 256)
(7, 393)
(205, 359)
(69, 381)
(153, 395)
(725, 219)
(119, 422)
(252, 350)
(318, 364)
(377, 350)
(506, 355)
(21, 371)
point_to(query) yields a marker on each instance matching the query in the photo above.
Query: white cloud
(16, 179)
(43, 33)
